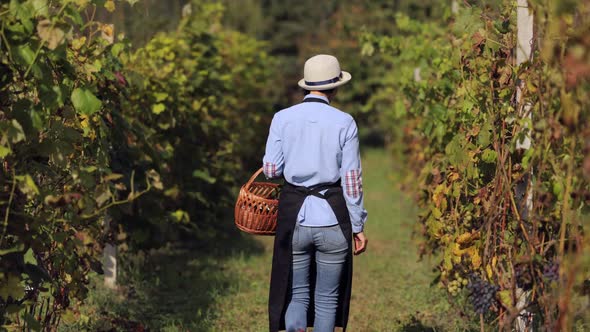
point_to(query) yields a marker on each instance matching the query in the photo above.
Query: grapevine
(459, 125)
(90, 127)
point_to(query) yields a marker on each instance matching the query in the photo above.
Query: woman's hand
(360, 243)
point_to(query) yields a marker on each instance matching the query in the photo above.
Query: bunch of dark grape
(481, 294)
(551, 271)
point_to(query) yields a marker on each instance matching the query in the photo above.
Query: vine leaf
(475, 258)
(32, 323)
(110, 5)
(180, 216)
(204, 175)
(54, 36)
(158, 108)
(11, 287)
(16, 132)
(4, 151)
(27, 185)
(40, 7)
(85, 102)
(505, 298)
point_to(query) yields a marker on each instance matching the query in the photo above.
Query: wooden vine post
(109, 258)
(454, 6)
(523, 53)
(523, 190)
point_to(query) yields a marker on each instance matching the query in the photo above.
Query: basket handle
(254, 177)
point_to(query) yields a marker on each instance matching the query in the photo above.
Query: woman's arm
(273, 160)
(352, 185)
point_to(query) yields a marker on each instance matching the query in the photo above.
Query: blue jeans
(330, 247)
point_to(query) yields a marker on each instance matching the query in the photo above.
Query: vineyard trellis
(89, 125)
(463, 128)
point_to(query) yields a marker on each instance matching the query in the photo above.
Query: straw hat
(322, 72)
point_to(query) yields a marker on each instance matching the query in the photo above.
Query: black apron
(290, 202)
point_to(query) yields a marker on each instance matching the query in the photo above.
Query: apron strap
(314, 190)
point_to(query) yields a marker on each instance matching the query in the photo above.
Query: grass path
(222, 284)
(391, 288)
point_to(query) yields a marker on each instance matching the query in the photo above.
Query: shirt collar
(316, 96)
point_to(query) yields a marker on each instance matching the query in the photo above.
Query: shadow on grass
(415, 325)
(172, 288)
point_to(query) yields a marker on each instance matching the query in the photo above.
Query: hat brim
(345, 78)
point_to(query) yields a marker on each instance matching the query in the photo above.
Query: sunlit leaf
(85, 102)
(204, 175)
(49, 33)
(158, 108)
(110, 5)
(4, 151)
(27, 185)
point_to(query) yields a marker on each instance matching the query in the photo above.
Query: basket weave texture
(257, 207)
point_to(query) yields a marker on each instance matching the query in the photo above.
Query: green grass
(223, 285)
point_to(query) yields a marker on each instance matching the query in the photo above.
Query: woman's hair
(328, 92)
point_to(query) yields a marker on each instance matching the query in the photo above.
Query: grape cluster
(551, 271)
(481, 294)
(455, 286)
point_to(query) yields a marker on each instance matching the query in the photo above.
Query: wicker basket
(257, 207)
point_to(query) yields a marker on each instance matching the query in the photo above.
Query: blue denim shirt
(312, 143)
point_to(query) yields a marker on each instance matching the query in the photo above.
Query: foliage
(60, 97)
(200, 97)
(86, 127)
(461, 121)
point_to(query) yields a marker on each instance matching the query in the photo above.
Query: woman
(315, 147)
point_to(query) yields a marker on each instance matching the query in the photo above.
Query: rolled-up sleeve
(274, 159)
(352, 181)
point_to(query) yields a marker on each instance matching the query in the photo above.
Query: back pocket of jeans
(334, 236)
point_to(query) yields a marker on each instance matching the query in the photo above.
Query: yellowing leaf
(108, 33)
(78, 43)
(476, 259)
(112, 176)
(439, 194)
(454, 176)
(160, 96)
(110, 5)
(505, 298)
(467, 237)
(82, 3)
(489, 271)
(457, 251)
(4, 151)
(448, 260)
(158, 108)
(52, 35)
(464, 238)
(180, 216)
(436, 213)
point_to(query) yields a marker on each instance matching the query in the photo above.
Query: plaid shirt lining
(270, 170)
(353, 183)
